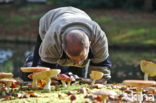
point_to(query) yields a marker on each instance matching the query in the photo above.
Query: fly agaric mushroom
(46, 75)
(96, 75)
(139, 84)
(63, 79)
(8, 82)
(5, 75)
(104, 94)
(68, 80)
(149, 68)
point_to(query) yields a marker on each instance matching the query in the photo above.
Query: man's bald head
(75, 42)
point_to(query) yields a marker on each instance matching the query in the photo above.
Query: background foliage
(121, 4)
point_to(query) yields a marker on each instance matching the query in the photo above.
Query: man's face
(79, 59)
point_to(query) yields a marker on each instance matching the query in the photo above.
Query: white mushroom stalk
(95, 75)
(139, 84)
(149, 68)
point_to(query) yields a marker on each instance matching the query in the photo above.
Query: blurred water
(5, 55)
(12, 57)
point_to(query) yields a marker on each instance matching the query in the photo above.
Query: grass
(52, 97)
(126, 30)
(126, 64)
(129, 28)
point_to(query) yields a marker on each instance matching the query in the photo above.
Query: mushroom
(104, 94)
(96, 75)
(139, 84)
(34, 70)
(4, 90)
(8, 82)
(73, 97)
(5, 75)
(63, 78)
(46, 75)
(149, 68)
(68, 80)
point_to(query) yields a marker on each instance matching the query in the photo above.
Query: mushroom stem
(34, 83)
(68, 83)
(3, 93)
(145, 76)
(93, 82)
(47, 87)
(104, 99)
(63, 83)
(8, 84)
(140, 95)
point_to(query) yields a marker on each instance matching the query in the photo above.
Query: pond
(125, 61)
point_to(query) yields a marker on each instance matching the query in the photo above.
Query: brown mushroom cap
(47, 74)
(96, 75)
(105, 93)
(7, 80)
(148, 67)
(34, 69)
(5, 75)
(140, 83)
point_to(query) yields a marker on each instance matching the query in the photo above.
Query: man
(69, 37)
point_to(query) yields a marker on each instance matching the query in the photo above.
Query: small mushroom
(5, 75)
(8, 82)
(68, 80)
(149, 68)
(63, 79)
(45, 75)
(73, 97)
(139, 84)
(104, 94)
(4, 90)
(96, 75)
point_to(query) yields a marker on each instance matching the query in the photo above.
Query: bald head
(75, 42)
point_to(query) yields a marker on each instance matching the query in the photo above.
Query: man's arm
(36, 56)
(104, 67)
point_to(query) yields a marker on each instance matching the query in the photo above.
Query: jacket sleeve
(99, 49)
(104, 67)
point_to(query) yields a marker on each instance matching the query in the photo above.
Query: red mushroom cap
(70, 79)
(62, 77)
